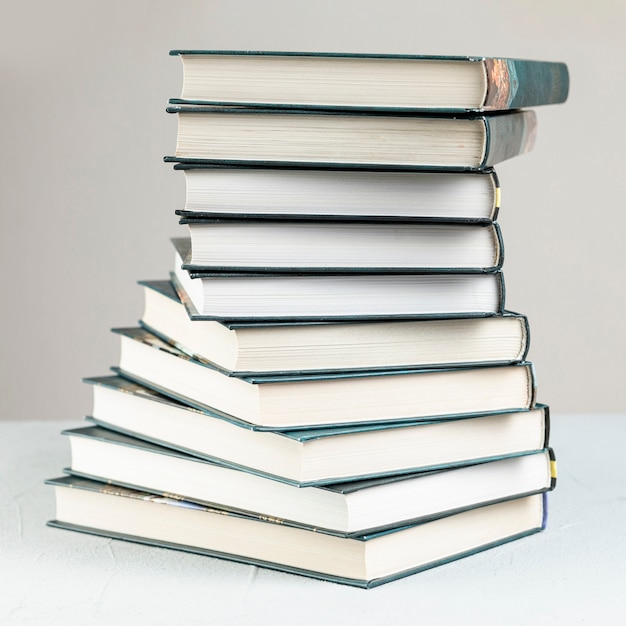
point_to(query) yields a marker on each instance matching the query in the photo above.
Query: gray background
(87, 204)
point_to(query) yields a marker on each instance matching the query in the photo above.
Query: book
(278, 402)
(315, 456)
(327, 295)
(252, 245)
(272, 347)
(344, 508)
(333, 193)
(324, 138)
(384, 81)
(366, 560)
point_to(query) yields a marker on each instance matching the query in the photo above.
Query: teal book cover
(307, 400)
(290, 137)
(195, 314)
(169, 289)
(339, 193)
(295, 295)
(376, 81)
(108, 456)
(124, 406)
(200, 406)
(125, 514)
(357, 247)
(324, 335)
(147, 338)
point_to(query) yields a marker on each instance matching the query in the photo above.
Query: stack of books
(329, 382)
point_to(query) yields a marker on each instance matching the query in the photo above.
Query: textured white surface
(573, 573)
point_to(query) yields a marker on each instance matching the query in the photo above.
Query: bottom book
(365, 561)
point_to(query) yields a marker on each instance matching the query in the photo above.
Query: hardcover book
(337, 193)
(330, 398)
(274, 347)
(326, 296)
(256, 245)
(305, 138)
(367, 560)
(343, 508)
(373, 81)
(315, 456)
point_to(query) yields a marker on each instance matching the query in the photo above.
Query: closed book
(252, 245)
(365, 561)
(348, 508)
(339, 193)
(322, 138)
(278, 402)
(334, 295)
(383, 81)
(257, 347)
(314, 456)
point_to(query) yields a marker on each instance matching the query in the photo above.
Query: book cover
(296, 295)
(312, 346)
(183, 246)
(259, 245)
(355, 139)
(317, 193)
(345, 509)
(279, 402)
(195, 314)
(383, 81)
(96, 508)
(352, 452)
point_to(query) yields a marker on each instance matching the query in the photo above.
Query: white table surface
(572, 573)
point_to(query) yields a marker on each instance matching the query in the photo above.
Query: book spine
(497, 195)
(502, 293)
(532, 385)
(507, 136)
(498, 260)
(526, 337)
(546, 412)
(553, 469)
(514, 83)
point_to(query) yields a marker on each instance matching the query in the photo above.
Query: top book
(369, 81)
